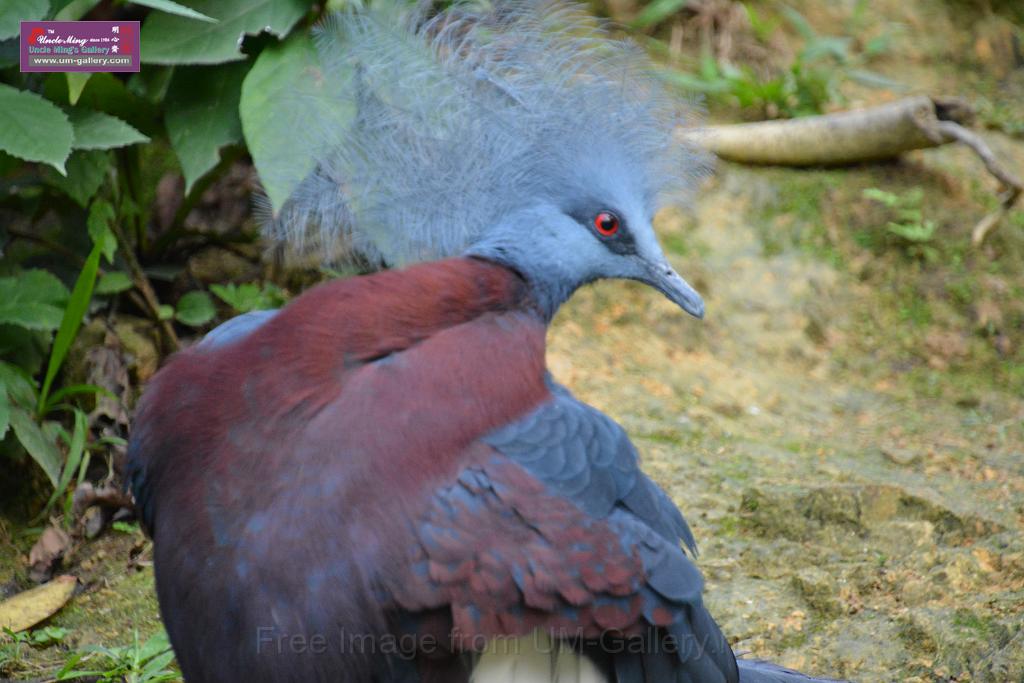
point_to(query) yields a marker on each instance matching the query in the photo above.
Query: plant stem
(145, 288)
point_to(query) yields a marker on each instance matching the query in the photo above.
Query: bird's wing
(554, 527)
(236, 328)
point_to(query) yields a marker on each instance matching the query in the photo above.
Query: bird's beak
(663, 277)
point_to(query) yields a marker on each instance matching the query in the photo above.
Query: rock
(215, 264)
(820, 590)
(139, 339)
(773, 514)
(900, 456)
(905, 535)
(960, 573)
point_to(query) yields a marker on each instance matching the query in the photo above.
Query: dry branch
(870, 134)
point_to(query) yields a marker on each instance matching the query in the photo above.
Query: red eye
(606, 223)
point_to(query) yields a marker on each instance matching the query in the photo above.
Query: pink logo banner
(80, 46)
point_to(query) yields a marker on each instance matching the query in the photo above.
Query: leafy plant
(25, 404)
(805, 87)
(83, 153)
(195, 309)
(149, 662)
(12, 652)
(909, 225)
(250, 296)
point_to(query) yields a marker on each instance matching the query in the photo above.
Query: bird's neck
(545, 291)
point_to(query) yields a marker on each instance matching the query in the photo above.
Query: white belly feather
(534, 658)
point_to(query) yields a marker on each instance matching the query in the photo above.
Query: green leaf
(14, 11)
(168, 39)
(106, 93)
(249, 296)
(18, 385)
(70, 10)
(165, 312)
(195, 309)
(78, 303)
(658, 11)
(101, 215)
(202, 115)
(37, 444)
(156, 668)
(76, 390)
(96, 130)
(157, 644)
(800, 23)
(913, 232)
(151, 83)
(5, 411)
(888, 198)
(873, 79)
(273, 124)
(114, 283)
(86, 170)
(76, 83)
(74, 457)
(33, 299)
(32, 128)
(174, 8)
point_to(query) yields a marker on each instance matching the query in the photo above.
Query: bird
(382, 482)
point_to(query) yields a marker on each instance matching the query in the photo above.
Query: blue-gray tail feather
(757, 671)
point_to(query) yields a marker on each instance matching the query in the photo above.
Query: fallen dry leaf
(28, 608)
(46, 552)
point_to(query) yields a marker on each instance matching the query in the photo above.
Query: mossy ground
(844, 431)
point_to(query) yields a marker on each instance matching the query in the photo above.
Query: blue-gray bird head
(520, 132)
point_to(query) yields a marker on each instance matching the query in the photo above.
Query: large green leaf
(37, 443)
(174, 8)
(14, 11)
(202, 115)
(32, 128)
(283, 97)
(33, 299)
(169, 39)
(86, 170)
(96, 130)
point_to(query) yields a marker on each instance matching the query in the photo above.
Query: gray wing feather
(236, 328)
(581, 454)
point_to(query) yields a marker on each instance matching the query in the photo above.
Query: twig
(1014, 187)
(143, 285)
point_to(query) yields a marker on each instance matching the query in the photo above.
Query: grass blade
(78, 304)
